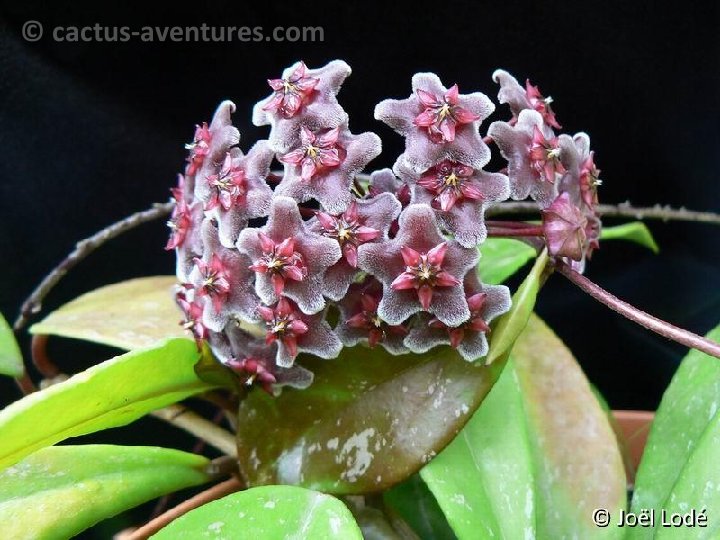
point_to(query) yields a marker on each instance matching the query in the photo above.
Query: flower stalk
(663, 328)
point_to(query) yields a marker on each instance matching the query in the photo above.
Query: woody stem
(663, 328)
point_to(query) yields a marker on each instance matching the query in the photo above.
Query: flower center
(451, 180)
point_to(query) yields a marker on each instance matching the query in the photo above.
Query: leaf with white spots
(687, 411)
(59, 491)
(268, 513)
(371, 419)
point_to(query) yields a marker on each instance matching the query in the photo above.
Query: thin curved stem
(82, 249)
(626, 210)
(216, 492)
(663, 328)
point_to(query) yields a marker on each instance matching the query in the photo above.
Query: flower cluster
(557, 171)
(262, 252)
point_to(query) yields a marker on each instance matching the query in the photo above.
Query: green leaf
(635, 231)
(267, 513)
(416, 505)
(11, 362)
(371, 419)
(483, 480)
(689, 409)
(537, 457)
(110, 394)
(58, 492)
(130, 315)
(501, 258)
(511, 324)
(698, 486)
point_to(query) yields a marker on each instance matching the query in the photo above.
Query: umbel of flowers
(395, 256)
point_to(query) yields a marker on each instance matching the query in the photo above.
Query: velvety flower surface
(323, 167)
(470, 337)
(532, 161)
(364, 221)
(222, 282)
(419, 270)
(237, 191)
(294, 105)
(520, 98)
(293, 331)
(288, 258)
(360, 321)
(193, 312)
(254, 361)
(460, 195)
(434, 133)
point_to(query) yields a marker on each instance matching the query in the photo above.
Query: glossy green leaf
(501, 258)
(484, 480)
(511, 324)
(130, 315)
(635, 231)
(110, 394)
(579, 465)
(687, 410)
(416, 505)
(59, 491)
(698, 487)
(371, 419)
(267, 513)
(11, 362)
(537, 457)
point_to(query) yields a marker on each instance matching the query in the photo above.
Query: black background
(90, 132)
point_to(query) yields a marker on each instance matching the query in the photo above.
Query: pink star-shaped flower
(316, 110)
(442, 113)
(460, 196)
(236, 191)
(290, 250)
(198, 149)
(469, 337)
(228, 185)
(180, 220)
(222, 282)
(316, 153)
(545, 157)
(192, 311)
(324, 166)
(519, 98)
(419, 270)
(294, 332)
(437, 123)
(291, 92)
(254, 361)
(210, 144)
(360, 320)
(365, 221)
(532, 160)
(280, 261)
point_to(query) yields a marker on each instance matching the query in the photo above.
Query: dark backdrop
(90, 132)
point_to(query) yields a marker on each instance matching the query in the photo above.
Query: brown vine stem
(82, 249)
(663, 328)
(216, 492)
(664, 213)
(198, 426)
